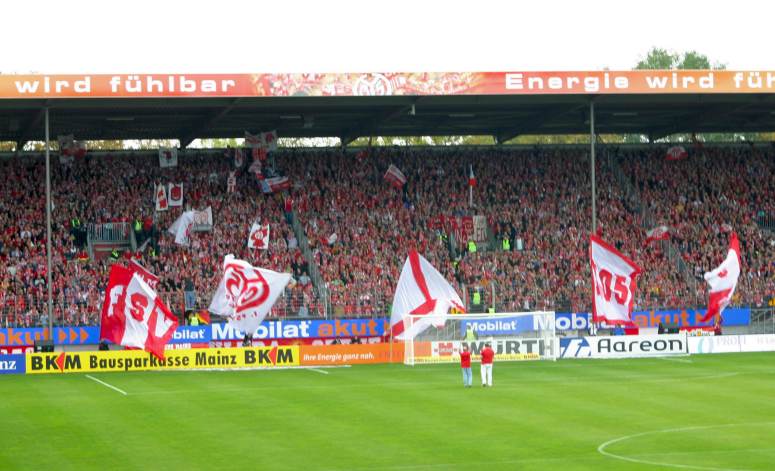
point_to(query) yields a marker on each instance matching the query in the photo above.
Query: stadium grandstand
(518, 243)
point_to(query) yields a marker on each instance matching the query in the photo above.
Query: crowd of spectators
(360, 228)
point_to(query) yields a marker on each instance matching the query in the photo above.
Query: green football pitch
(698, 412)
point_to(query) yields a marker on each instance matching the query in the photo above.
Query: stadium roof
(504, 105)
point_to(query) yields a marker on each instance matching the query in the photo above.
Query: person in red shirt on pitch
(487, 357)
(465, 363)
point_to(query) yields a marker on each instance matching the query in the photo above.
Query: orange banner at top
(384, 84)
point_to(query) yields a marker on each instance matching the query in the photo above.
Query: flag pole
(592, 168)
(592, 163)
(50, 309)
(391, 345)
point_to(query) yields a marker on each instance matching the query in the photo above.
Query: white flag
(246, 293)
(614, 281)
(162, 204)
(231, 182)
(270, 140)
(238, 158)
(175, 194)
(168, 157)
(182, 228)
(421, 290)
(259, 237)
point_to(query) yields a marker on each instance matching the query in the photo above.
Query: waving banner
(614, 283)
(270, 140)
(259, 237)
(676, 153)
(421, 290)
(162, 203)
(175, 194)
(239, 159)
(395, 177)
(168, 157)
(246, 293)
(182, 228)
(133, 315)
(658, 233)
(723, 280)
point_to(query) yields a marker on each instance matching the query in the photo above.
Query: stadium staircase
(633, 195)
(762, 321)
(314, 272)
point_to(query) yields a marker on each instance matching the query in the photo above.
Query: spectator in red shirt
(487, 357)
(465, 363)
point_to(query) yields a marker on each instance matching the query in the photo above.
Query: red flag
(395, 177)
(723, 280)
(471, 177)
(133, 315)
(658, 233)
(676, 153)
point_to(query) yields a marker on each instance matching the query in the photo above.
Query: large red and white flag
(259, 237)
(246, 293)
(168, 157)
(270, 140)
(142, 272)
(395, 177)
(133, 315)
(175, 194)
(471, 177)
(275, 184)
(658, 233)
(723, 280)
(182, 228)
(676, 153)
(421, 290)
(162, 203)
(613, 281)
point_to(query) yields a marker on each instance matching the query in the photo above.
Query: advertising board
(138, 360)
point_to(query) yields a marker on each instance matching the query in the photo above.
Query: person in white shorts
(487, 358)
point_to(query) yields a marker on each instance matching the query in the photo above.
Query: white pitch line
(323, 372)
(679, 360)
(602, 448)
(107, 385)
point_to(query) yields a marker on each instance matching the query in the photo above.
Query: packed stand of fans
(119, 188)
(539, 199)
(701, 199)
(360, 228)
